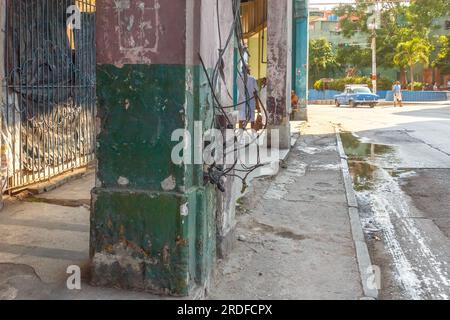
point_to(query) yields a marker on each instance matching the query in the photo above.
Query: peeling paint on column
(127, 104)
(136, 143)
(137, 244)
(169, 184)
(277, 62)
(184, 210)
(277, 110)
(122, 181)
(143, 32)
(152, 221)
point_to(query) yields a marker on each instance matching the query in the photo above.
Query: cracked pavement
(406, 204)
(294, 236)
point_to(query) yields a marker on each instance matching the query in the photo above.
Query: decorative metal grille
(48, 101)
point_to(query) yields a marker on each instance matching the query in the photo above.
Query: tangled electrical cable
(216, 173)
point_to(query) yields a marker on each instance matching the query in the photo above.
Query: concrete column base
(226, 243)
(226, 219)
(300, 114)
(284, 134)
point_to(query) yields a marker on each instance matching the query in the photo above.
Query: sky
(324, 4)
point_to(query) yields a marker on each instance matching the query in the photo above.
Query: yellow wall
(256, 50)
(86, 5)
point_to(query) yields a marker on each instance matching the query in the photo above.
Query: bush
(339, 84)
(385, 84)
(418, 86)
(319, 85)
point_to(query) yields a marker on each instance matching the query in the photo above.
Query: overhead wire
(216, 172)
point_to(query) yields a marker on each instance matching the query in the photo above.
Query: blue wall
(382, 94)
(411, 96)
(315, 95)
(408, 96)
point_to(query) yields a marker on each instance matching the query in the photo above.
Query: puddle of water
(417, 265)
(359, 154)
(363, 175)
(358, 150)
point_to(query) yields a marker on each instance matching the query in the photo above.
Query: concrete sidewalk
(47, 230)
(295, 239)
(41, 236)
(294, 233)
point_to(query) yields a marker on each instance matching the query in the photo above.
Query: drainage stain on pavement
(404, 241)
(280, 232)
(20, 281)
(61, 202)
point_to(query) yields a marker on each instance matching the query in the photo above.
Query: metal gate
(48, 100)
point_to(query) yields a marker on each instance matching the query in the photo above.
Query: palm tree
(412, 52)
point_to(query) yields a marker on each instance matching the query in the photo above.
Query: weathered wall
(212, 19)
(138, 32)
(153, 223)
(3, 145)
(279, 55)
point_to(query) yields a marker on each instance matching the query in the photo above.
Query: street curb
(362, 251)
(407, 103)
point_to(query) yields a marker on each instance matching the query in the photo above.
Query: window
(361, 90)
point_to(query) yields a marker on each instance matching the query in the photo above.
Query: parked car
(357, 95)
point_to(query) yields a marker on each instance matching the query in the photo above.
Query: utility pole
(374, 61)
(374, 24)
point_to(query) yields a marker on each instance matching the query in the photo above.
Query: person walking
(397, 90)
(247, 90)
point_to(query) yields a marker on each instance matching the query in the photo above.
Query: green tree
(421, 15)
(353, 59)
(399, 23)
(322, 59)
(412, 52)
(442, 54)
(355, 20)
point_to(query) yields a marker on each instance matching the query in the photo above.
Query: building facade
(125, 83)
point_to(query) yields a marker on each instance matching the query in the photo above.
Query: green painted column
(152, 221)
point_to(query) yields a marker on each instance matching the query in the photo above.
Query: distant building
(325, 24)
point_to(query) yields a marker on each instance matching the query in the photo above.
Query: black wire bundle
(216, 173)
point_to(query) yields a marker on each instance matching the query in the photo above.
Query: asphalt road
(403, 192)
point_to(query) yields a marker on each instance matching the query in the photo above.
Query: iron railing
(48, 103)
